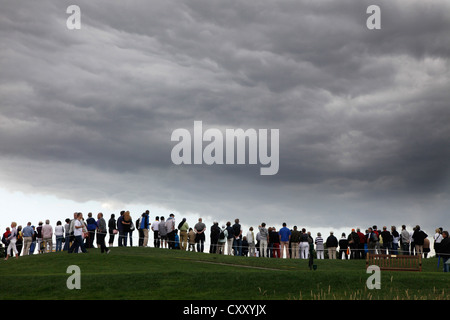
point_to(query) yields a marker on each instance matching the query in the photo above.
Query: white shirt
(77, 231)
(59, 231)
(250, 237)
(155, 226)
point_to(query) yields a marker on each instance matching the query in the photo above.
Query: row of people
(267, 242)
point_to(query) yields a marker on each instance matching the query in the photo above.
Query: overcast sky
(86, 116)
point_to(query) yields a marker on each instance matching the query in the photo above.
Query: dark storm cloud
(363, 115)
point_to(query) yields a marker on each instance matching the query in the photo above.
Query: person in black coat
(215, 233)
(444, 250)
(343, 246)
(419, 239)
(332, 244)
(112, 228)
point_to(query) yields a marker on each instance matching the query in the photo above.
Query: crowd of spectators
(79, 234)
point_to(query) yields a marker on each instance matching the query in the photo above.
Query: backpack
(222, 235)
(374, 237)
(138, 224)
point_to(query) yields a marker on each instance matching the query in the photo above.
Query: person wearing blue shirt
(27, 238)
(285, 236)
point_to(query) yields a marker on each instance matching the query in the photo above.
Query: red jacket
(362, 237)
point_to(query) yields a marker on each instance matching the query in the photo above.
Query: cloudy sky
(86, 116)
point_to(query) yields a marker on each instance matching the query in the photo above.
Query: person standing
(387, 241)
(426, 247)
(244, 246)
(444, 250)
(353, 243)
(27, 238)
(170, 225)
(395, 240)
(66, 235)
(214, 236)
(72, 229)
(362, 244)
(230, 238)
(251, 242)
(332, 244)
(285, 237)
(191, 240)
(12, 238)
(155, 229)
(78, 235)
(126, 227)
(295, 243)
(372, 241)
(304, 245)
(274, 240)
(419, 239)
(91, 227)
(264, 239)
(405, 239)
(222, 240)
(120, 229)
(343, 247)
(39, 237)
(33, 241)
(19, 242)
(319, 246)
(163, 232)
(437, 240)
(47, 236)
(145, 227)
(237, 242)
(177, 240)
(5, 240)
(200, 229)
(112, 229)
(59, 235)
(184, 228)
(101, 233)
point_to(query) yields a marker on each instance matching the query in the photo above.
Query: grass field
(161, 274)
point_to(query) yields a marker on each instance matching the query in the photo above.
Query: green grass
(155, 274)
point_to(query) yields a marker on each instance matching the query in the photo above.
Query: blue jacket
(144, 222)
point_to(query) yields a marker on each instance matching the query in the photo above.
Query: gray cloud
(363, 115)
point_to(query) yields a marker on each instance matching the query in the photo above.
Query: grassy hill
(161, 274)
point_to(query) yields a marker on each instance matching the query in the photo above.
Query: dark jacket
(331, 241)
(419, 237)
(274, 237)
(230, 232)
(343, 244)
(444, 248)
(112, 225)
(386, 235)
(215, 232)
